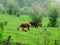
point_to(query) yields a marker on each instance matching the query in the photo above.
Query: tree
(2, 9)
(39, 9)
(53, 14)
(37, 12)
(12, 7)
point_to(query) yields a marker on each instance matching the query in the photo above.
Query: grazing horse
(24, 25)
(35, 24)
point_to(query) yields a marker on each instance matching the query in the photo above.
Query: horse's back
(25, 25)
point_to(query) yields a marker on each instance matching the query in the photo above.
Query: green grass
(31, 37)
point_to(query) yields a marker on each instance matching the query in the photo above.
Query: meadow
(36, 36)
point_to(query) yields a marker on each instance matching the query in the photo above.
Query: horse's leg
(28, 28)
(35, 26)
(23, 28)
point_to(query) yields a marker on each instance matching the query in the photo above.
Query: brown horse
(24, 25)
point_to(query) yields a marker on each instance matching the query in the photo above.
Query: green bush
(2, 26)
(1, 36)
(36, 18)
(2, 9)
(5, 23)
(53, 15)
(13, 7)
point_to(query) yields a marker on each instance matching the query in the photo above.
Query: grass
(36, 36)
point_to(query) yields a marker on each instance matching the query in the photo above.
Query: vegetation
(31, 36)
(15, 12)
(53, 15)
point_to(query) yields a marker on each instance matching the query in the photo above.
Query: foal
(34, 24)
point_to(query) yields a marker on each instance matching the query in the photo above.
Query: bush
(12, 7)
(36, 18)
(2, 26)
(2, 9)
(1, 32)
(5, 23)
(53, 14)
(1, 36)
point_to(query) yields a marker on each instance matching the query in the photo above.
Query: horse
(35, 24)
(24, 25)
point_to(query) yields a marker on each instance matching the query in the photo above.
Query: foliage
(36, 18)
(2, 9)
(13, 7)
(29, 37)
(37, 12)
(1, 36)
(2, 26)
(1, 32)
(5, 23)
(53, 16)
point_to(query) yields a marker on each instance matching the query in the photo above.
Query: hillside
(31, 37)
(29, 22)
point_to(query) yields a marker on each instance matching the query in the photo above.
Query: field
(36, 36)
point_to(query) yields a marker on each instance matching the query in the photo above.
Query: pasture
(36, 36)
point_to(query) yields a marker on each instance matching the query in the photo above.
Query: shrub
(36, 17)
(1, 36)
(53, 14)
(2, 9)
(2, 26)
(13, 7)
(1, 32)
(5, 23)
